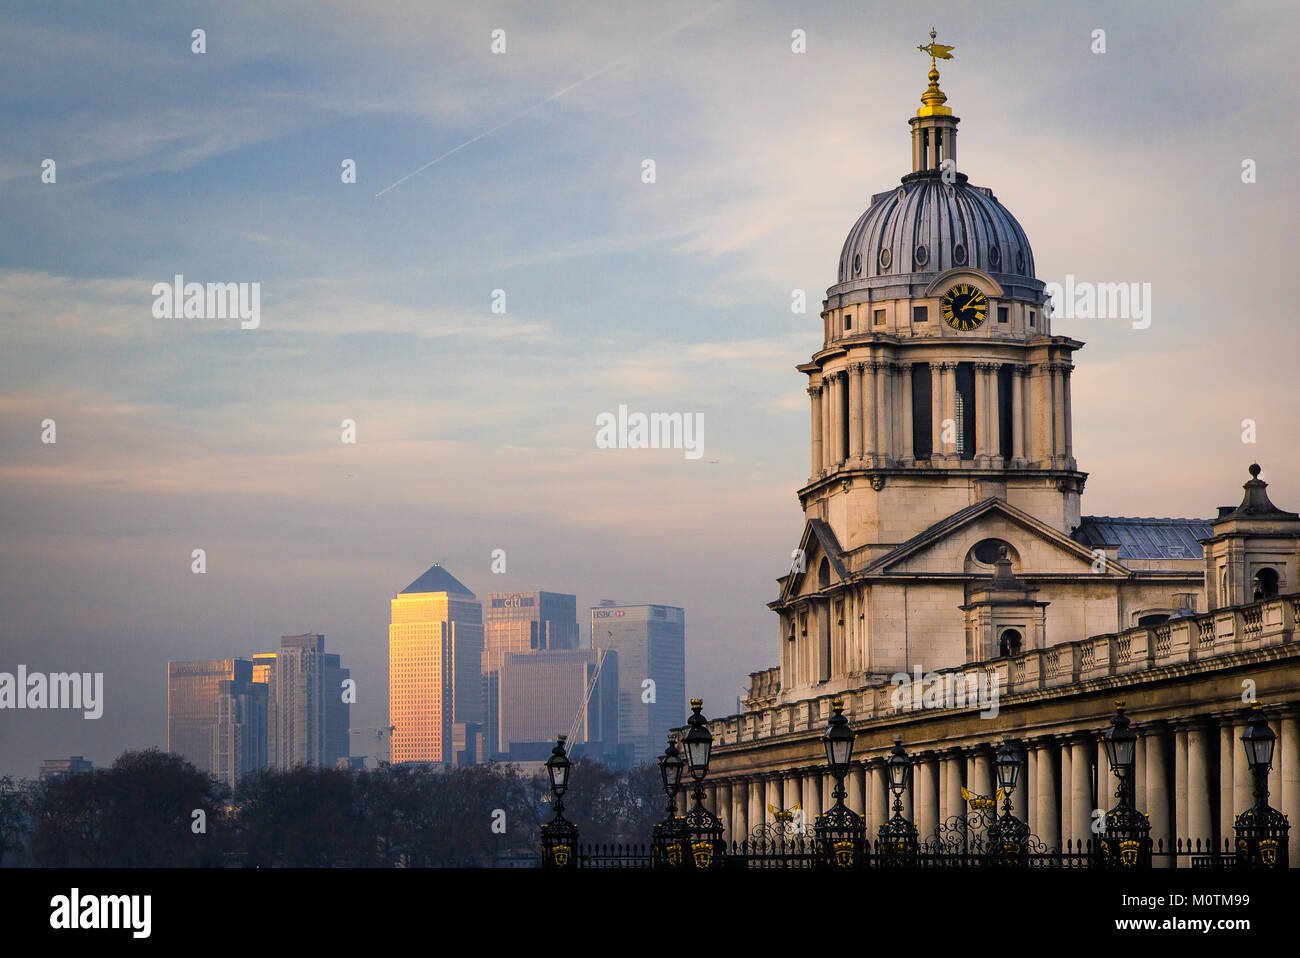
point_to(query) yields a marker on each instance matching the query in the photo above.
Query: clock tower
(939, 383)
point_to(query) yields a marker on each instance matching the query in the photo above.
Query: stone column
(879, 799)
(828, 449)
(1066, 787)
(722, 806)
(927, 794)
(871, 389)
(905, 389)
(1018, 374)
(1139, 773)
(982, 411)
(950, 406)
(1047, 823)
(885, 407)
(1289, 799)
(1181, 826)
(1157, 776)
(757, 809)
(773, 796)
(1066, 369)
(1081, 805)
(1041, 430)
(816, 798)
(1029, 785)
(793, 785)
(853, 783)
(1058, 413)
(1199, 820)
(936, 410)
(855, 412)
(1243, 782)
(954, 767)
(815, 393)
(1227, 756)
(1020, 797)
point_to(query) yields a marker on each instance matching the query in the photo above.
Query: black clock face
(964, 307)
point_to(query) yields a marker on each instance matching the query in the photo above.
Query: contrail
(554, 96)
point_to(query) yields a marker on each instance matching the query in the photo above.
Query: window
(1031, 317)
(880, 317)
(1266, 584)
(1009, 644)
(1002, 314)
(848, 321)
(920, 314)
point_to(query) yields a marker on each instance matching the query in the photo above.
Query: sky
(475, 428)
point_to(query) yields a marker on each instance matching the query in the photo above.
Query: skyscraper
(297, 700)
(192, 690)
(239, 732)
(435, 647)
(520, 622)
(540, 695)
(337, 711)
(651, 644)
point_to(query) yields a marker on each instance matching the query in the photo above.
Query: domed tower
(939, 383)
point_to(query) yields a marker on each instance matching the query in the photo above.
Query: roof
(437, 579)
(1145, 538)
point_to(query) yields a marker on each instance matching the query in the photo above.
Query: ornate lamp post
(1126, 842)
(559, 836)
(839, 832)
(1008, 836)
(703, 829)
(896, 840)
(1261, 830)
(667, 842)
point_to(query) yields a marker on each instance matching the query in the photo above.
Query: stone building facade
(944, 537)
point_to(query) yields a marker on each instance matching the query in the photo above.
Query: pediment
(1039, 549)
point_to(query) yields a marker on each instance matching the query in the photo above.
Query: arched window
(1266, 582)
(824, 574)
(1155, 618)
(1009, 643)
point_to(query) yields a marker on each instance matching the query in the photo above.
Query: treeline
(152, 809)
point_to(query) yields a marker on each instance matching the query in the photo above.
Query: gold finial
(933, 98)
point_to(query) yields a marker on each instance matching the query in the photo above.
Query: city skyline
(476, 429)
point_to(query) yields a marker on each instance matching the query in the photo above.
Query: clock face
(964, 307)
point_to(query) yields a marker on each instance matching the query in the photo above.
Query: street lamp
(1008, 836)
(1008, 765)
(896, 840)
(670, 770)
(559, 836)
(1261, 830)
(1126, 840)
(703, 829)
(667, 841)
(698, 742)
(839, 832)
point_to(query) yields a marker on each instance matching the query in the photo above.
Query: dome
(928, 226)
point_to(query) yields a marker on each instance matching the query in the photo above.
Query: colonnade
(862, 413)
(1191, 777)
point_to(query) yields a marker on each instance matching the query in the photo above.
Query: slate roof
(1145, 538)
(437, 579)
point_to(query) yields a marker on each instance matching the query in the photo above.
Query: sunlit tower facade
(435, 645)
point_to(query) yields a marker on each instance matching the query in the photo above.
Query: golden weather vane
(936, 49)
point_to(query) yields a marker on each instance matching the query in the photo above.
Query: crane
(379, 731)
(586, 697)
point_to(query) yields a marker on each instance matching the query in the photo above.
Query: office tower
(651, 645)
(239, 734)
(435, 646)
(54, 768)
(192, 689)
(521, 622)
(263, 665)
(297, 702)
(541, 694)
(337, 711)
